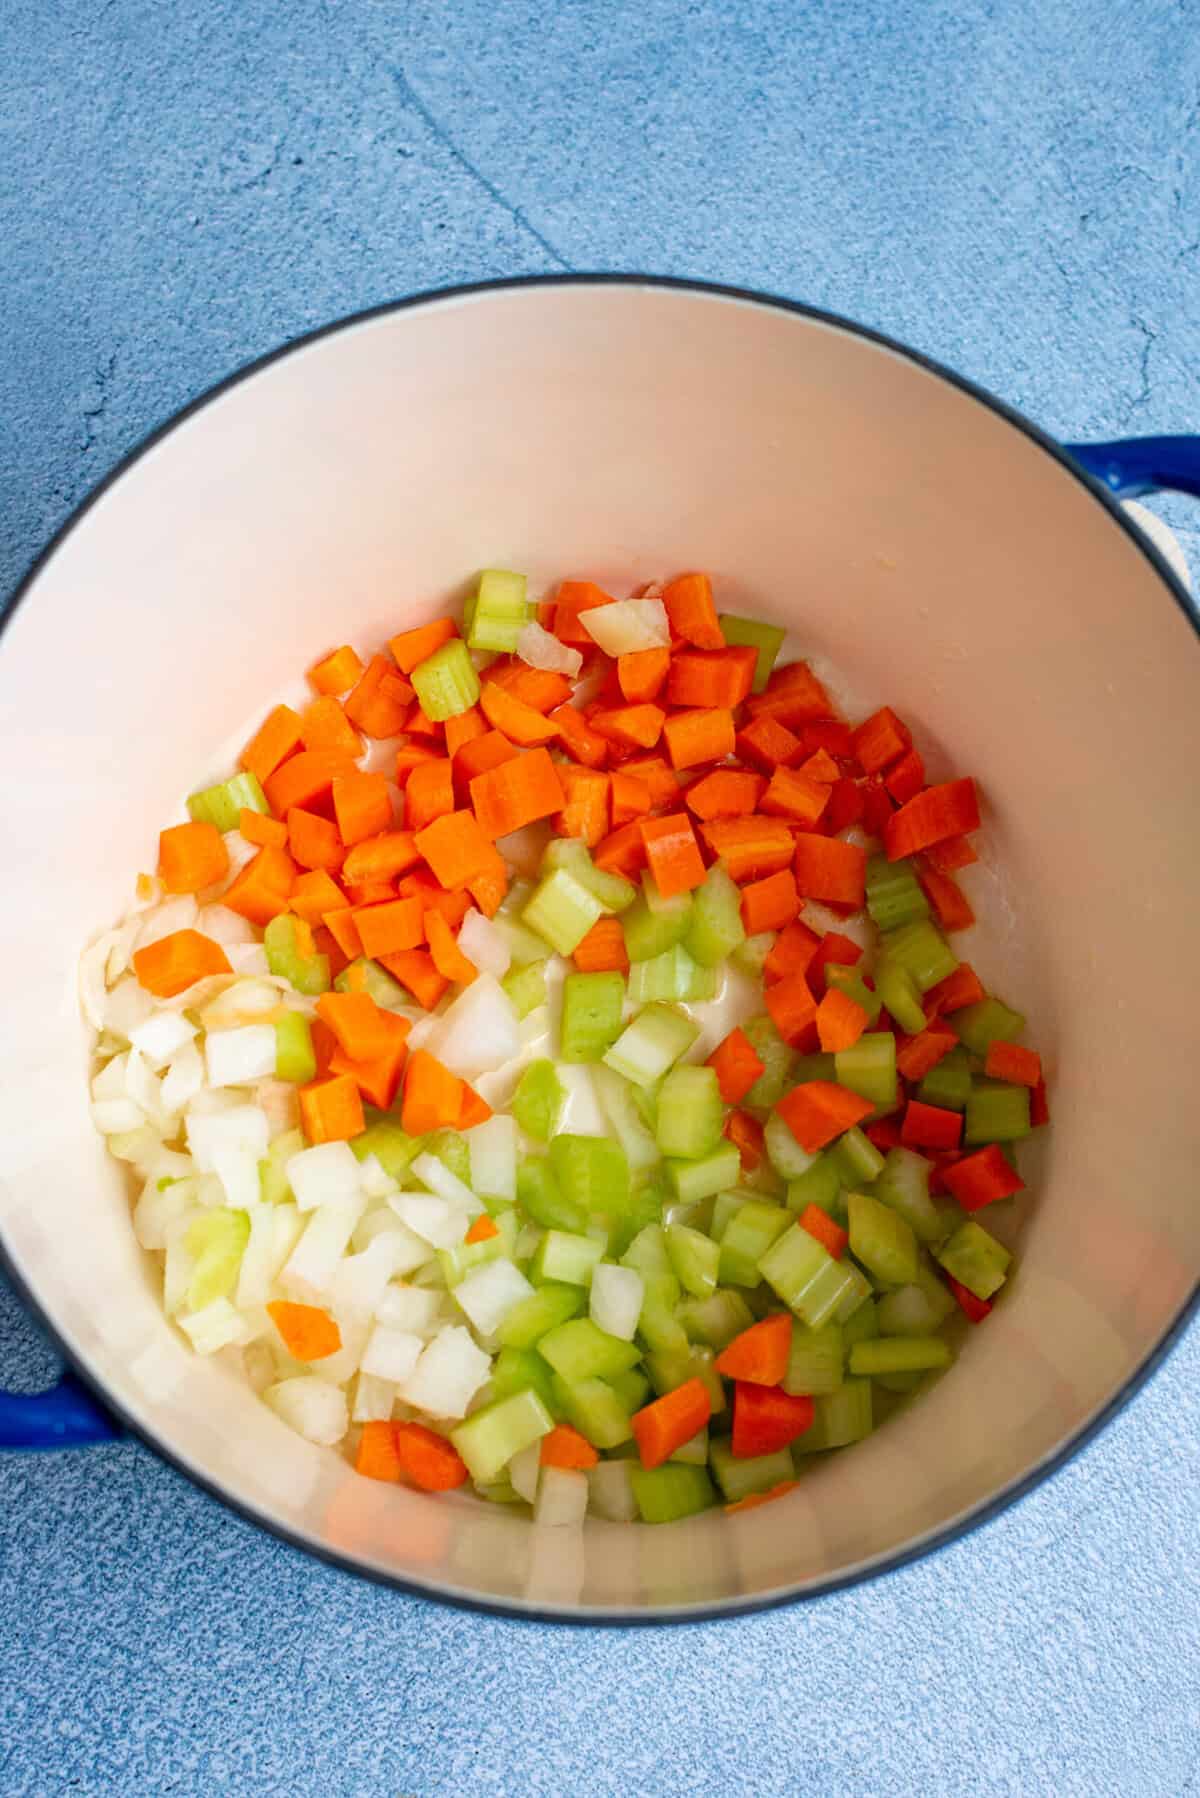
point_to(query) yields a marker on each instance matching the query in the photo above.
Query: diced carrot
(377, 1458)
(711, 677)
(381, 857)
(793, 952)
(930, 1127)
(473, 1110)
(276, 738)
(389, 928)
(622, 851)
(791, 794)
(482, 1230)
(336, 672)
(362, 1028)
(377, 1078)
(540, 688)
(519, 722)
(793, 695)
(831, 735)
(905, 778)
(454, 847)
(175, 962)
(829, 1234)
(827, 868)
(578, 738)
(573, 598)
(672, 853)
(766, 1418)
(982, 1178)
(489, 886)
(760, 1353)
(257, 828)
(305, 780)
(324, 943)
(362, 805)
(1009, 1061)
(756, 1499)
(951, 854)
(412, 755)
(845, 807)
(746, 1134)
(432, 1095)
(963, 987)
(586, 811)
(877, 807)
(821, 767)
(629, 797)
(410, 648)
(705, 735)
(313, 842)
(949, 810)
(951, 907)
(770, 904)
(331, 1109)
(819, 1110)
(313, 894)
(324, 725)
(515, 793)
(448, 958)
(916, 1055)
(429, 794)
(466, 728)
(602, 950)
(841, 1020)
(725, 793)
(481, 756)
(452, 908)
(379, 703)
(565, 1447)
(641, 673)
(749, 847)
(668, 1422)
(371, 892)
(880, 740)
(793, 1011)
(636, 726)
(262, 889)
(309, 1334)
(834, 947)
(414, 969)
(339, 922)
(427, 1460)
(191, 856)
(769, 745)
(737, 1066)
(417, 724)
(690, 608)
(658, 777)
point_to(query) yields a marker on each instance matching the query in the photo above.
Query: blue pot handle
(1136, 465)
(66, 1416)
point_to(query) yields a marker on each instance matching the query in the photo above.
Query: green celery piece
(975, 1259)
(717, 1319)
(446, 682)
(651, 1044)
(806, 1277)
(631, 1387)
(692, 1181)
(294, 1056)
(669, 1369)
(647, 1254)
(488, 1439)
(693, 1452)
(652, 925)
(694, 1258)
(501, 1492)
(660, 1329)
(948, 1084)
(458, 1262)
(853, 983)
(366, 976)
(690, 1113)
(562, 911)
(751, 633)
(858, 1291)
(818, 1185)
(894, 895)
(497, 612)
(816, 1362)
(747, 1237)
(540, 1196)
(899, 1354)
(538, 1101)
(898, 991)
(882, 1240)
(563, 1257)
(620, 1108)
(615, 893)
(741, 1477)
(274, 1187)
(544, 1310)
(526, 987)
(524, 946)
(750, 956)
(777, 1059)
(453, 1151)
(726, 1206)
(841, 1417)
(917, 1310)
(579, 1350)
(592, 1171)
(216, 1241)
(922, 951)
(394, 1149)
(856, 1158)
(307, 973)
(904, 1185)
(664, 1494)
(899, 1382)
(869, 1068)
(861, 1326)
(987, 1022)
(645, 1101)
(783, 1151)
(673, 976)
(223, 804)
(715, 927)
(592, 1007)
(595, 1408)
(996, 1112)
(519, 1369)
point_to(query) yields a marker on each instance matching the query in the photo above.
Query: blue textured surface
(1011, 187)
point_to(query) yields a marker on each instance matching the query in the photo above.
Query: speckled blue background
(1008, 185)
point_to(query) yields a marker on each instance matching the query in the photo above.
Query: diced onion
(373, 1399)
(434, 1174)
(523, 1472)
(391, 1354)
(615, 1301)
(236, 1057)
(448, 1375)
(562, 1496)
(161, 1036)
(215, 1326)
(493, 1149)
(488, 1293)
(482, 943)
(163, 920)
(413, 1308)
(183, 1079)
(540, 649)
(628, 625)
(311, 1406)
(329, 1171)
(441, 1225)
(478, 1032)
(310, 1269)
(239, 1127)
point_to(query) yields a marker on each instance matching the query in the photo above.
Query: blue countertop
(1010, 187)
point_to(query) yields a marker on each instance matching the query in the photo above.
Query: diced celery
(693, 1452)
(673, 975)
(861, 1325)
(563, 1256)
(660, 1329)
(690, 1113)
(841, 1417)
(393, 1147)
(669, 1369)
(446, 682)
(538, 1101)
(783, 1151)
(457, 1262)
(615, 893)
(648, 1046)
(562, 911)
(692, 1181)
(595, 1409)
(488, 1440)
(741, 1477)
(496, 614)
(578, 1350)
(894, 895)
(916, 1310)
(751, 633)
(273, 1184)
(366, 976)
(631, 1387)
(216, 1241)
(815, 1363)
(975, 1259)
(223, 804)
(524, 946)
(674, 1490)
(996, 1113)
(645, 1099)
(453, 1151)
(516, 1369)
(531, 1318)
(899, 1354)
(307, 973)
(990, 1021)
(694, 1258)
(747, 1237)
(922, 950)
(526, 987)
(715, 927)
(948, 1085)
(653, 925)
(717, 1319)
(898, 991)
(751, 955)
(648, 1254)
(820, 1185)
(592, 1172)
(777, 1059)
(294, 1057)
(855, 1157)
(620, 1108)
(540, 1195)
(591, 1015)
(726, 1206)
(869, 1068)
(882, 1240)
(853, 983)
(857, 1292)
(806, 1276)
(904, 1185)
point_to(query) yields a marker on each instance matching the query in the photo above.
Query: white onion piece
(160, 1037)
(281, 1102)
(215, 1326)
(610, 1491)
(615, 1301)
(109, 1083)
(415, 1308)
(478, 1032)
(448, 1375)
(329, 1171)
(274, 1232)
(92, 985)
(122, 950)
(361, 1280)
(391, 1354)
(562, 1496)
(373, 1399)
(540, 649)
(145, 1090)
(224, 926)
(237, 1057)
(184, 1078)
(628, 625)
(155, 1211)
(312, 1407)
(240, 1001)
(483, 944)
(493, 1149)
(310, 1269)
(179, 913)
(441, 1225)
(237, 1127)
(488, 1294)
(434, 1174)
(127, 1006)
(113, 1117)
(377, 1183)
(237, 1170)
(248, 958)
